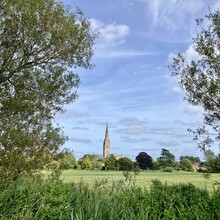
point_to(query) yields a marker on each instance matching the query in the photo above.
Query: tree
(166, 159)
(66, 159)
(42, 43)
(200, 79)
(91, 162)
(212, 161)
(186, 164)
(156, 165)
(191, 158)
(110, 163)
(125, 164)
(86, 163)
(144, 160)
(176, 165)
(209, 155)
(214, 165)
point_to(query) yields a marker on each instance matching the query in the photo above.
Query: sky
(130, 86)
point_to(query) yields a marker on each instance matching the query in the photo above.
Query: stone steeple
(106, 144)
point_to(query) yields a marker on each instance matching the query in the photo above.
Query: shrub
(168, 169)
(125, 164)
(156, 165)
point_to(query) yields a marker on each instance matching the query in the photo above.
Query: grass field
(144, 178)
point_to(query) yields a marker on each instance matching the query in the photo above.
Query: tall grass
(54, 199)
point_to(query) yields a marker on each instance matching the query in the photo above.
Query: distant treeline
(166, 162)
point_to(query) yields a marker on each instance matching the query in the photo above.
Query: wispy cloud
(140, 130)
(170, 143)
(81, 140)
(117, 53)
(80, 128)
(72, 113)
(170, 15)
(193, 110)
(131, 121)
(174, 19)
(146, 149)
(129, 139)
(188, 124)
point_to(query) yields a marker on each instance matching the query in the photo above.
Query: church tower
(106, 144)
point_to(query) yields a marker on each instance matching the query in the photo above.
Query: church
(106, 144)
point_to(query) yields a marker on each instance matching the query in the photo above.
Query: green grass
(144, 179)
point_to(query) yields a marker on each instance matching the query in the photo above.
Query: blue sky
(130, 86)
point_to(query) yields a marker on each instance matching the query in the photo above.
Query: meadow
(144, 178)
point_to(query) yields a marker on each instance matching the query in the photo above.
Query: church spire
(106, 144)
(106, 132)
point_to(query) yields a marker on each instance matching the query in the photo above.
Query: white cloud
(96, 24)
(141, 129)
(168, 143)
(129, 139)
(191, 123)
(177, 89)
(112, 33)
(80, 128)
(131, 121)
(138, 130)
(193, 110)
(122, 53)
(191, 54)
(72, 113)
(170, 14)
(111, 36)
(115, 53)
(81, 140)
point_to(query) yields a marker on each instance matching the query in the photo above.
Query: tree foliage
(42, 43)
(191, 158)
(156, 165)
(200, 78)
(144, 160)
(90, 162)
(125, 164)
(212, 161)
(166, 159)
(214, 164)
(111, 163)
(66, 159)
(185, 164)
